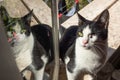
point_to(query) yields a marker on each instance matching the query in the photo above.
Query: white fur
(88, 77)
(70, 76)
(67, 59)
(17, 27)
(86, 33)
(86, 58)
(23, 44)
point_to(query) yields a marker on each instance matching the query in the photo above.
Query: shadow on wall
(110, 52)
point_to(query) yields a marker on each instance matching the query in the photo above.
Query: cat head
(90, 32)
(17, 29)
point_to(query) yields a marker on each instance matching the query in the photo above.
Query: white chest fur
(24, 45)
(23, 52)
(85, 58)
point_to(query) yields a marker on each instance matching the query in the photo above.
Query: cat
(35, 40)
(83, 47)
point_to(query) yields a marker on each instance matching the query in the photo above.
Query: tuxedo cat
(83, 48)
(34, 40)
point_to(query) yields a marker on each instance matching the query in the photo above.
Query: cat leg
(23, 73)
(46, 76)
(70, 75)
(26, 73)
(39, 74)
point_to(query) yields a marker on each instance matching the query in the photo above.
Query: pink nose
(85, 41)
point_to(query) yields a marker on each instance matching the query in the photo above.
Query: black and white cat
(83, 48)
(34, 40)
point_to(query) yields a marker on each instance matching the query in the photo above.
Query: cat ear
(103, 19)
(4, 15)
(81, 19)
(27, 17)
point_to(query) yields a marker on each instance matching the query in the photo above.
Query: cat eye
(80, 34)
(91, 35)
(23, 31)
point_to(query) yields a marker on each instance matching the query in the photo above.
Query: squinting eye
(80, 34)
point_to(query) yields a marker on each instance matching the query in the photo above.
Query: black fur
(67, 40)
(43, 36)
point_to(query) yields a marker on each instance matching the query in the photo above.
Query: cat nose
(85, 41)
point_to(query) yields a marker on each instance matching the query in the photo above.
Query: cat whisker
(99, 43)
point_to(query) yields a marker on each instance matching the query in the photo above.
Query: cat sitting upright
(83, 48)
(34, 40)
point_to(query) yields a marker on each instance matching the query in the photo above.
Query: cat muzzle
(13, 38)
